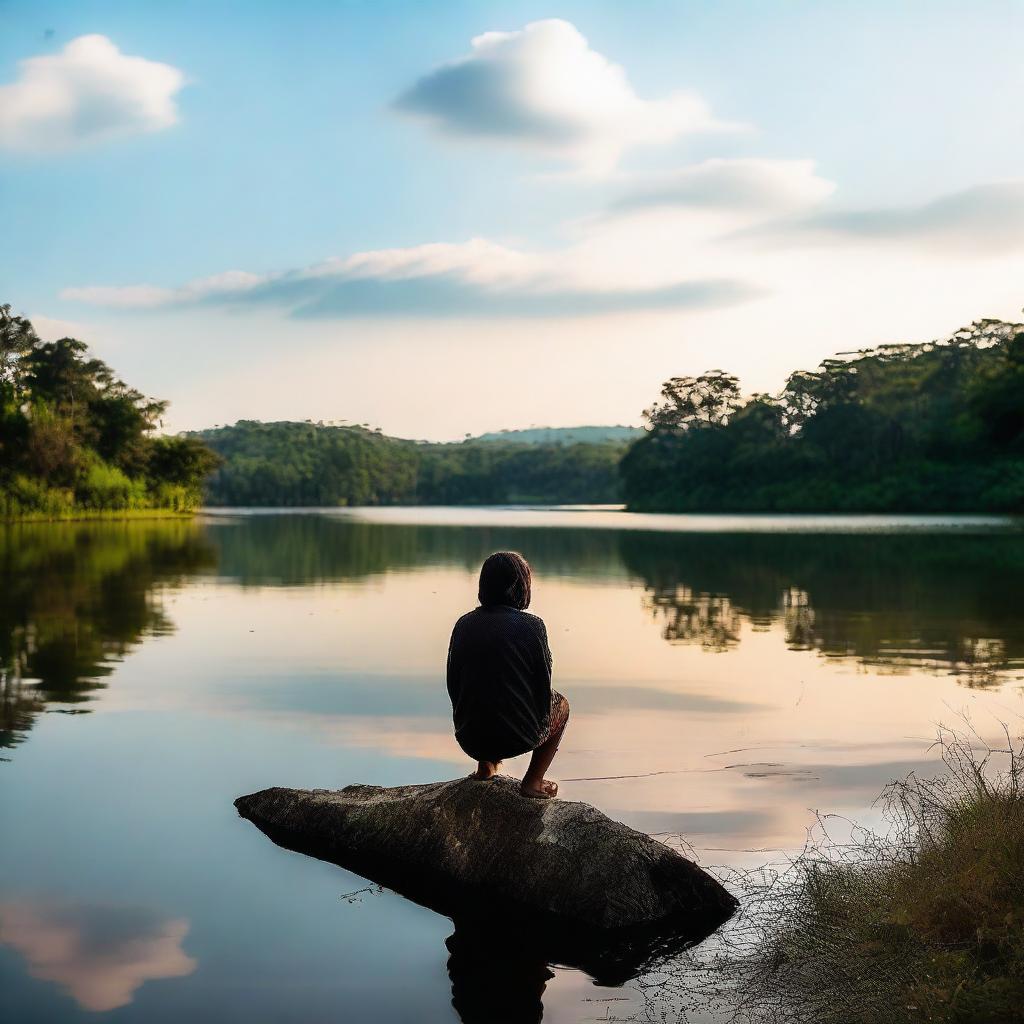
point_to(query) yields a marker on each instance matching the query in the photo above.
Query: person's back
(499, 677)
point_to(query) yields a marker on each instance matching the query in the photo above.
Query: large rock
(480, 850)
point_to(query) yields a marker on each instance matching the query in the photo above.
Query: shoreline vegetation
(76, 442)
(924, 923)
(911, 428)
(928, 428)
(83, 515)
(935, 427)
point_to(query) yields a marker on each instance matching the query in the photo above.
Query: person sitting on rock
(499, 678)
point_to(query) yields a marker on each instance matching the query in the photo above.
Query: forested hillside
(312, 464)
(76, 439)
(916, 428)
(564, 435)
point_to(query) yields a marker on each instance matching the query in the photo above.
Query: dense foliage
(73, 437)
(564, 435)
(312, 464)
(935, 427)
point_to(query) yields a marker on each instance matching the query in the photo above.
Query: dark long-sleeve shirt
(499, 680)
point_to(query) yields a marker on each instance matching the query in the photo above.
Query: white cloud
(544, 86)
(711, 236)
(750, 186)
(88, 92)
(476, 278)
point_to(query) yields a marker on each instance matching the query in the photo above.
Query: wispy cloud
(748, 186)
(230, 285)
(88, 92)
(477, 278)
(544, 87)
(711, 236)
(982, 219)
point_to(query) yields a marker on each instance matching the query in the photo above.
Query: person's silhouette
(495, 983)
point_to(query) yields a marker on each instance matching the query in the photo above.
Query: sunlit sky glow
(457, 217)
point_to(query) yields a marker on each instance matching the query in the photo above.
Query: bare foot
(486, 770)
(543, 790)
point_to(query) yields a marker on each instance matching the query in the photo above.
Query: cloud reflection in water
(99, 954)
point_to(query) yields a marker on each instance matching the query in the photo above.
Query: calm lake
(728, 676)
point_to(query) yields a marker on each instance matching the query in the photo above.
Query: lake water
(728, 676)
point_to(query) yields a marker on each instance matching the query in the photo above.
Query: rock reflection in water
(500, 966)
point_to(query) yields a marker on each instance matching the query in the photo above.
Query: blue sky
(626, 192)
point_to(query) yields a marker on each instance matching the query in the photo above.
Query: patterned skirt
(557, 716)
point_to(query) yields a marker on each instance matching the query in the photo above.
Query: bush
(24, 495)
(108, 488)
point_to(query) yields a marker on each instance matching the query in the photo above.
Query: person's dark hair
(505, 579)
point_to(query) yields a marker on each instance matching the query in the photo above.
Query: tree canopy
(74, 436)
(933, 427)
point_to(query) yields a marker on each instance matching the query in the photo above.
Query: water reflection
(500, 968)
(722, 683)
(99, 954)
(495, 981)
(74, 598)
(899, 601)
(296, 550)
(942, 602)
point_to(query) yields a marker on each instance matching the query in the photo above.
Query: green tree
(75, 436)
(933, 427)
(693, 402)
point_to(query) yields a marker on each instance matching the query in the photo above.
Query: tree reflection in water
(941, 600)
(893, 602)
(74, 599)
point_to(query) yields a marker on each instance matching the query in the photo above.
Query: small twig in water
(350, 897)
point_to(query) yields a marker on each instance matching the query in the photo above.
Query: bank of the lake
(76, 442)
(918, 922)
(74, 514)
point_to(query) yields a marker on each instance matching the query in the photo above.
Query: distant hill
(564, 435)
(296, 464)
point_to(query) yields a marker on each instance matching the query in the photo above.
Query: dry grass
(921, 922)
